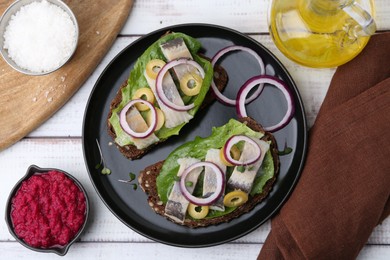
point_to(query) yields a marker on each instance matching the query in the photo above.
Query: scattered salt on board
(40, 37)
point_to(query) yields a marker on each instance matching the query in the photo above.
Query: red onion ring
(235, 139)
(125, 126)
(220, 176)
(218, 94)
(263, 79)
(160, 77)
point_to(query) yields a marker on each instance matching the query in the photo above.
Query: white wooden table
(57, 143)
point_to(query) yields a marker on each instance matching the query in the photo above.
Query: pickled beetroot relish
(48, 210)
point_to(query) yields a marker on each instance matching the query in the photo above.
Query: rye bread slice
(147, 181)
(131, 151)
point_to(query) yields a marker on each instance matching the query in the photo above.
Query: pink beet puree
(48, 210)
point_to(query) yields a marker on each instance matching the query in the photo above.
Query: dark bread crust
(131, 151)
(147, 181)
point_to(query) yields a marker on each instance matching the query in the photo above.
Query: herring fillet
(244, 180)
(209, 181)
(173, 49)
(177, 204)
(172, 117)
(176, 49)
(138, 124)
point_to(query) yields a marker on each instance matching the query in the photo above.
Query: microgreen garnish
(251, 168)
(104, 170)
(189, 183)
(286, 150)
(131, 178)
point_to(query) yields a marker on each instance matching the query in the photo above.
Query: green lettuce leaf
(266, 173)
(137, 80)
(198, 149)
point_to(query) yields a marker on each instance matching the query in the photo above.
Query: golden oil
(316, 33)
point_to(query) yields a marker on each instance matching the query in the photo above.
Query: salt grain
(40, 37)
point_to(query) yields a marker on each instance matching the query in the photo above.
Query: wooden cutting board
(28, 101)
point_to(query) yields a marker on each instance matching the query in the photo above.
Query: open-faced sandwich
(167, 85)
(212, 180)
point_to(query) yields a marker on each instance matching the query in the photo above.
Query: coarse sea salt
(40, 37)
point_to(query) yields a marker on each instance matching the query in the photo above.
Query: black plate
(130, 206)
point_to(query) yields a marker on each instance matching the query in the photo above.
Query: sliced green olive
(153, 67)
(235, 152)
(191, 84)
(235, 198)
(145, 94)
(160, 118)
(198, 212)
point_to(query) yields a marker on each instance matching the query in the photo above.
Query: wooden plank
(381, 234)
(99, 250)
(312, 84)
(246, 16)
(374, 252)
(66, 154)
(137, 251)
(27, 101)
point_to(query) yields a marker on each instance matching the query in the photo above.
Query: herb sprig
(129, 181)
(101, 164)
(286, 150)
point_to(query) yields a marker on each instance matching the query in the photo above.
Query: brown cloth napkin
(344, 189)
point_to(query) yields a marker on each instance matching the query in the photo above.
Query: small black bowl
(60, 250)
